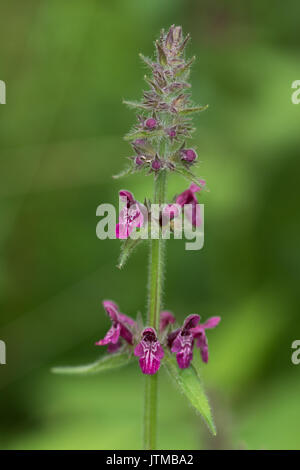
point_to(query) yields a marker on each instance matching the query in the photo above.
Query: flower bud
(156, 164)
(139, 160)
(151, 123)
(171, 132)
(188, 155)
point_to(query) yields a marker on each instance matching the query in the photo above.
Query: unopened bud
(151, 123)
(188, 155)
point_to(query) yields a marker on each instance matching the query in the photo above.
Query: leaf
(146, 60)
(135, 104)
(127, 248)
(161, 54)
(189, 383)
(108, 362)
(186, 67)
(126, 172)
(196, 109)
(144, 134)
(136, 135)
(184, 43)
(187, 174)
(153, 85)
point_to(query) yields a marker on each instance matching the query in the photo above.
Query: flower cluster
(158, 140)
(159, 147)
(134, 214)
(148, 345)
(163, 115)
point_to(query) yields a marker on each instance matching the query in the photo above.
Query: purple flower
(188, 155)
(149, 351)
(188, 197)
(131, 215)
(181, 341)
(151, 123)
(166, 318)
(120, 327)
(200, 336)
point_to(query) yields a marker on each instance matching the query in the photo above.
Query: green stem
(155, 290)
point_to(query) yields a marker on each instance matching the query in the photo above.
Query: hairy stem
(155, 291)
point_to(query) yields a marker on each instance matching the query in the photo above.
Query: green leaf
(161, 54)
(185, 68)
(126, 172)
(135, 104)
(111, 361)
(153, 85)
(136, 135)
(128, 246)
(196, 109)
(188, 174)
(146, 60)
(144, 134)
(189, 383)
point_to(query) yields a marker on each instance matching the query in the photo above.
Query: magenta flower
(200, 336)
(181, 341)
(166, 318)
(149, 351)
(120, 327)
(131, 215)
(188, 198)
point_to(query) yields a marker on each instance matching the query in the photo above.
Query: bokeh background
(67, 67)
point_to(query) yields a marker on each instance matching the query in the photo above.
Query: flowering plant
(159, 143)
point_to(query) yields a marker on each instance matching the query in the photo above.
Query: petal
(125, 319)
(166, 318)
(111, 309)
(122, 231)
(203, 345)
(184, 197)
(149, 364)
(126, 333)
(172, 336)
(112, 336)
(195, 188)
(112, 348)
(159, 352)
(191, 321)
(177, 344)
(126, 196)
(211, 322)
(139, 350)
(184, 358)
(193, 213)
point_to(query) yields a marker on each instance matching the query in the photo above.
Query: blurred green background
(67, 67)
